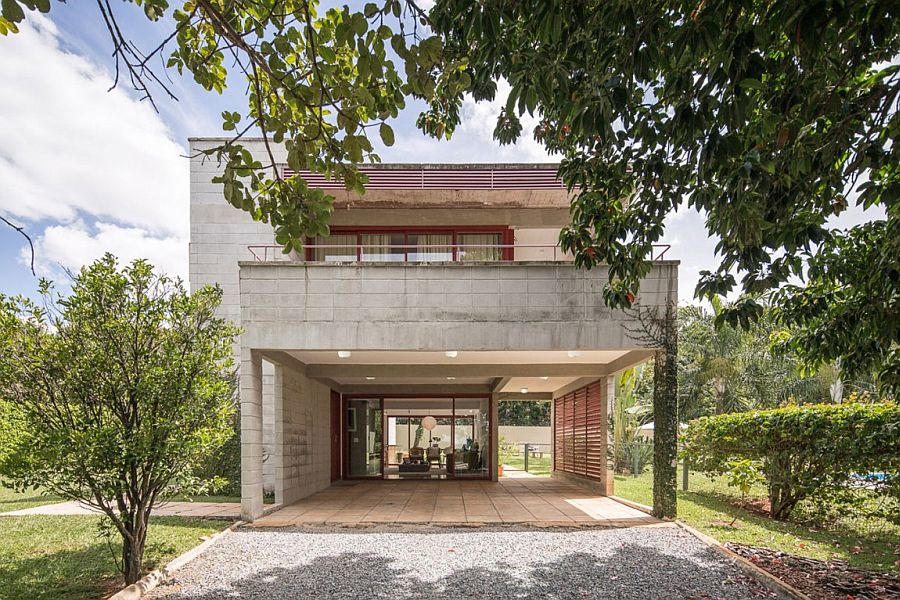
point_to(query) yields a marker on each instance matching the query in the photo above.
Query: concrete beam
(633, 358)
(578, 383)
(499, 383)
(413, 389)
(284, 359)
(337, 371)
(541, 396)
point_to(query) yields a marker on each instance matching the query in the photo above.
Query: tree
(528, 413)
(117, 392)
(767, 117)
(629, 410)
(320, 84)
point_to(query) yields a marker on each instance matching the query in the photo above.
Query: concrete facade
(511, 321)
(302, 433)
(480, 306)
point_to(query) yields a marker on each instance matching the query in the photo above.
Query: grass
(536, 465)
(709, 505)
(12, 500)
(45, 556)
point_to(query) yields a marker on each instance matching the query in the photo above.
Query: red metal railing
(454, 252)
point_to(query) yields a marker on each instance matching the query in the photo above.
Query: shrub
(804, 450)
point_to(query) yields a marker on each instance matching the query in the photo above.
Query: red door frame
(343, 438)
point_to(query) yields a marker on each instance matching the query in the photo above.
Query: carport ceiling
(402, 357)
(539, 372)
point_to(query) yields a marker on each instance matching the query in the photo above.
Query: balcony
(421, 305)
(423, 253)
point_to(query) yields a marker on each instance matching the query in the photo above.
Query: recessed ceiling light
(573, 353)
(344, 353)
(451, 378)
(545, 378)
(451, 353)
(524, 390)
(370, 378)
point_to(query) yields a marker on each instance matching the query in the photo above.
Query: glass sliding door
(480, 246)
(383, 247)
(430, 247)
(472, 438)
(336, 248)
(364, 434)
(418, 437)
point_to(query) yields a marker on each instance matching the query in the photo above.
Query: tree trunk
(665, 423)
(133, 550)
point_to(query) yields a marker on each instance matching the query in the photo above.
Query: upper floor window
(413, 245)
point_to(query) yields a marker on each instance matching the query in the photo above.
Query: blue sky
(88, 170)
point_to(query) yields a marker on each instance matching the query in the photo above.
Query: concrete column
(607, 397)
(251, 435)
(494, 454)
(268, 424)
(277, 455)
(553, 435)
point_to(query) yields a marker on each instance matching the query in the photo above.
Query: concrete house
(382, 351)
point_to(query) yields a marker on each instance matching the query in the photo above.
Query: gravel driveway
(395, 562)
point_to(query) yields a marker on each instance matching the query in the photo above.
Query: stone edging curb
(782, 589)
(641, 507)
(151, 580)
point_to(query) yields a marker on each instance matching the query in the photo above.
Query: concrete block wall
(220, 235)
(478, 306)
(302, 430)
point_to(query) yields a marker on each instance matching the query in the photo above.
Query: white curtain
(383, 247)
(345, 253)
(485, 246)
(431, 247)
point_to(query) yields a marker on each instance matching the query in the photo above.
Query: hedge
(803, 450)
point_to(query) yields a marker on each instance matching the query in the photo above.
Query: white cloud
(73, 245)
(73, 153)
(480, 118)
(473, 140)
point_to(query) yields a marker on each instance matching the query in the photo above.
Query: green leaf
(387, 134)
(752, 84)
(12, 11)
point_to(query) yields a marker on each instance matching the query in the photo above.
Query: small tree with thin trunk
(115, 393)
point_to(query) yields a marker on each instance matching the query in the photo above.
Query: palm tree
(629, 411)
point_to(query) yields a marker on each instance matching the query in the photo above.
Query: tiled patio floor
(531, 500)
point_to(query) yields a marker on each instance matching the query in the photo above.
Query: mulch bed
(820, 579)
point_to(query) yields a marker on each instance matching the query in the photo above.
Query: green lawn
(64, 557)
(710, 504)
(536, 465)
(10, 500)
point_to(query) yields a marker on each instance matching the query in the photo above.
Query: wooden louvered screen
(579, 432)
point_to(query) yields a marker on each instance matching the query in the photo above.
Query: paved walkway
(531, 500)
(206, 510)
